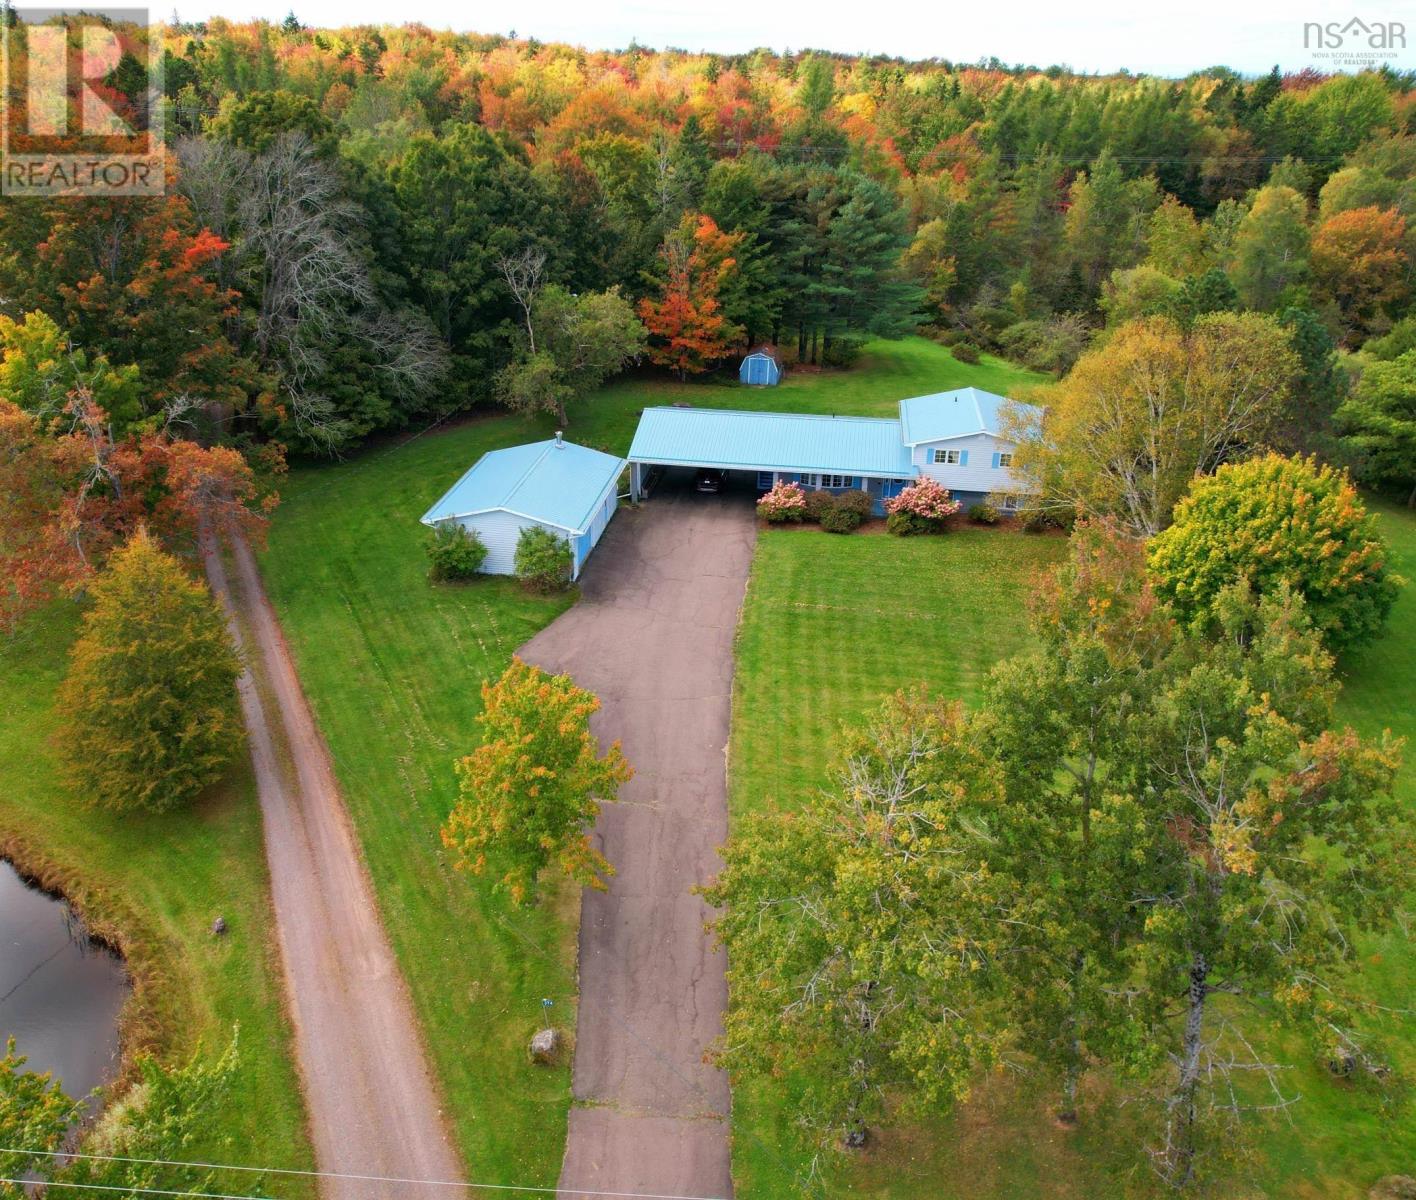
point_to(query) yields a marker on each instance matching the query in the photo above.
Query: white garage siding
(499, 531)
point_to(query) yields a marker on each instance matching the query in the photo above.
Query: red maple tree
(687, 329)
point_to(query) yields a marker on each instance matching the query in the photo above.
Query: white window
(1010, 504)
(1005, 458)
(809, 480)
(948, 458)
(837, 481)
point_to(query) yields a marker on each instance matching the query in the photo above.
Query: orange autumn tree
(135, 279)
(687, 329)
(529, 792)
(70, 492)
(1359, 258)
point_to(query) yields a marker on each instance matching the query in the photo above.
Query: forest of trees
(332, 256)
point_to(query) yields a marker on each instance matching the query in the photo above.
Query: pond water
(60, 992)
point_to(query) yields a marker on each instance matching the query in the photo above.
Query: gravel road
(373, 1107)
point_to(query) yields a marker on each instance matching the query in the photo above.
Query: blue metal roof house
(556, 485)
(961, 438)
(761, 368)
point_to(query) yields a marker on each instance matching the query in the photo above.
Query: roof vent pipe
(559, 442)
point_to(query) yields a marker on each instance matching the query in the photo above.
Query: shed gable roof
(955, 414)
(724, 437)
(555, 483)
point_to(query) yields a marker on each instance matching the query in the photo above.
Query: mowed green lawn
(885, 374)
(157, 882)
(834, 624)
(831, 625)
(394, 667)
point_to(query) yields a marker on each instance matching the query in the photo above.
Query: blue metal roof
(959, 413)
(555, 482)
(720, 437)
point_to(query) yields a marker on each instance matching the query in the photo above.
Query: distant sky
(1171, 37)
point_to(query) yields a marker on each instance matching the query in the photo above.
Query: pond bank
(97, 929)
(62, 989)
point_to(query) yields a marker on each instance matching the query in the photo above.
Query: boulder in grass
(1393, 1187)
(545, 1046)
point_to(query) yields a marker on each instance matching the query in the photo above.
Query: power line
(129, 1189)
(349, 1176)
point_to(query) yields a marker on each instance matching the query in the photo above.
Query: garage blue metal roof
(959, 413)
(555, 482)
(719, 437)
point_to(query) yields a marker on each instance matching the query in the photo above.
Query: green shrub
(841, 351)
(856, 501)
(965, 352)
(1040, 520)
(1276, 521)
(542, 560)
(987, 320)
(1053, 345)
(454, 553)
(908, 524)
(817, 502)
(840, 519)
(1400, 339)
(983, 513)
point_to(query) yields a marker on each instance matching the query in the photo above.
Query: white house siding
(499, 530)
(979, 475)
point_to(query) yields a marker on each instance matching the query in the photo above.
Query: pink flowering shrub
(785, 502)
(927, 499)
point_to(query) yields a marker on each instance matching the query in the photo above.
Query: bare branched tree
(525, 273)
(296, 256)
(295, 225)
(414, 357)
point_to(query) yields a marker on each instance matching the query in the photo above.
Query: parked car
(709, 482)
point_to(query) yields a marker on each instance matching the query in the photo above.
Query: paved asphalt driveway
(653, 637)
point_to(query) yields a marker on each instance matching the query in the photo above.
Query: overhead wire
(347, 1176)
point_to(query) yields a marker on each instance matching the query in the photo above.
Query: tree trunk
(1411, 499)
(1180, 1134)
(801, 343)
(1072, 1072)
(1067, 1114)
(1072, 1075)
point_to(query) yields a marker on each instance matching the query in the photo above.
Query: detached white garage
(568, 489)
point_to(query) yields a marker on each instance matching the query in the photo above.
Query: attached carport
(759, 449)
(661, 479)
